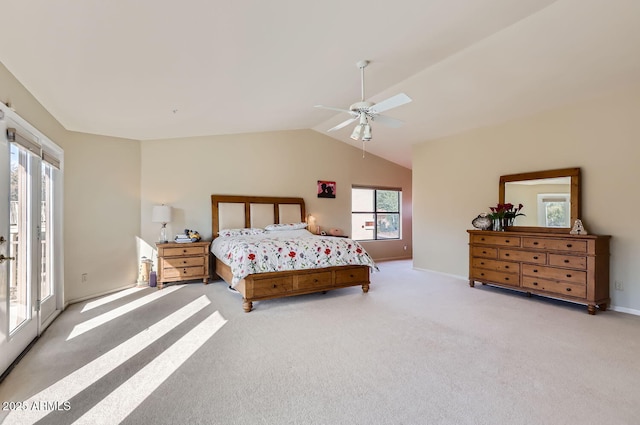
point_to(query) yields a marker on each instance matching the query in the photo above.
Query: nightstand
(179, 262)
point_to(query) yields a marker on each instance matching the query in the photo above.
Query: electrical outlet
(619, 286)
(405, 247)
(85, 277)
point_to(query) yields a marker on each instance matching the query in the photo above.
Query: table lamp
(162, 214)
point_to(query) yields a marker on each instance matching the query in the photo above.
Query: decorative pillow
(240, 232)
(288, 234)
(286, 226)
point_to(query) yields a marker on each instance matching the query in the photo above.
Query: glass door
(30, 250)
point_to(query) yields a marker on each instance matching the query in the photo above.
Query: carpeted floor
(419, 348)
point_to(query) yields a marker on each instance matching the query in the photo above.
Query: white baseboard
(88, 297)
(625, 310)
(455, 276)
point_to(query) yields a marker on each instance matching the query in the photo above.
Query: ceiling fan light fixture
(366, 136)
(357, 132)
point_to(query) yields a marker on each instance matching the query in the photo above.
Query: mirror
(550, 199)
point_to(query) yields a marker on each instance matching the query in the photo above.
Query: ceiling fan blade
(392, 102)
(387, 121)
(336, 109)
(343, 124)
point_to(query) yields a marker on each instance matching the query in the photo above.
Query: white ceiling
(154, 69)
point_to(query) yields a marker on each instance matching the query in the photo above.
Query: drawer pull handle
(482, 239)
(535, 243)
(481, 274)
(535, 270)
(566, 261)
(506, 241)
(315, 280)
(535, 258)
(506, 255)
(535, 283)
(350, 275)
(506, 278)
(184, 251)
(506, 267)
(569, 245)
(275, 286)
(568, 275)
(568, 289)
(482, 263)
(484, 252)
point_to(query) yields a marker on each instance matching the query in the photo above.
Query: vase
(497, 225)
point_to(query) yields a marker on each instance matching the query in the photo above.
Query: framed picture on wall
(326, 189)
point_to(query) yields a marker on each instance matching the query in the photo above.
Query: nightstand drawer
(168, 263)
(184, 272)
(180, 251)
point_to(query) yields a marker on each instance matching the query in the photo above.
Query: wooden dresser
(179, 262)
(570, 267)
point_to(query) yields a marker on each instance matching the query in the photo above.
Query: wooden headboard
(234, 211)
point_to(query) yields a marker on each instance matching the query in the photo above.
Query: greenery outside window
(375, 213)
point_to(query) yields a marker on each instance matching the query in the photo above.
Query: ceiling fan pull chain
(363, 149)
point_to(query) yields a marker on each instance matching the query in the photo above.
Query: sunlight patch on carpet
(71, 385)
(83, 327)
(110, 298)
(127, 397)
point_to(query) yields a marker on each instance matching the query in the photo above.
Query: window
(375, 213)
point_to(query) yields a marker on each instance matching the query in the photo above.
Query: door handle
(2, 240)
(2, 258)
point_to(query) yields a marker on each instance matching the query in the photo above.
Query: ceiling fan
(364, 111)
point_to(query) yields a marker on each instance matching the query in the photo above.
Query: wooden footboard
(264, 286)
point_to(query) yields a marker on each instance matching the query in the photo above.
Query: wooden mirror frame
(574, 173)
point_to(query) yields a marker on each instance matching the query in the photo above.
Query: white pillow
(286, 226)
(240, 232)
(288, 234)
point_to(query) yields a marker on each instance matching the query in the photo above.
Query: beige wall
(456, 178)
(101, 199)
(184, 173)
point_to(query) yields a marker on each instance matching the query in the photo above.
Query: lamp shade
(161, 214)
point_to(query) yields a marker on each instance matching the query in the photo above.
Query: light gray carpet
(419, 348)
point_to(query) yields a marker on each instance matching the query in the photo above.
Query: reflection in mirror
(551, 199)
(547, 202)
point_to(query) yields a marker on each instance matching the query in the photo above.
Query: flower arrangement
(504, 214)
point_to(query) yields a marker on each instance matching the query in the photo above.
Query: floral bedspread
(265, 253)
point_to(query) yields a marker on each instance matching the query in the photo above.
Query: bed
(239, 223)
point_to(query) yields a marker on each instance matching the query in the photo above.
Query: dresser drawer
(567, 245)
(566, 275)
(168, 263)
(271, 286)
(180, 251)
(359, 275)
(496, 240)
(183, 273)
(563, 288)
(525, 256)
(314, 280)
(573, 261)
(501, 266)
(484, 252)
(495, 276)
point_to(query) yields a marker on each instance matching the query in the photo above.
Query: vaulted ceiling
(155, 69)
